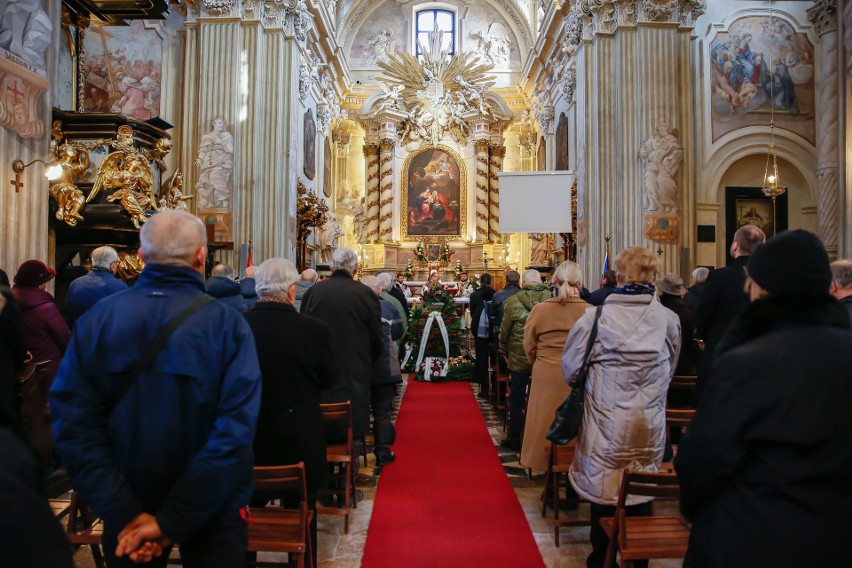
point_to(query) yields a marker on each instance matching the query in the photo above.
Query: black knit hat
(793, 263)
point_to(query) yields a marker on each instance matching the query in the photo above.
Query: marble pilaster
(482, 190)
(495, 165)
(371, 156)
(386, 148)
(824, 16)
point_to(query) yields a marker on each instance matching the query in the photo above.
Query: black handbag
(569, 415)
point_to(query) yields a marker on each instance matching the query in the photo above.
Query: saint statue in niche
(216, 163)
(661, 156)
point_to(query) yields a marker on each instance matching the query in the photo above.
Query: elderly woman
(632, 362)
(295, 357)
(545, 332)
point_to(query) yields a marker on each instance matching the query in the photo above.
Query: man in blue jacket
(101, 282)
(163, 455)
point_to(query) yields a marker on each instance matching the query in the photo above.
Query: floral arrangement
(460, 369)
(420, 253)
(408, 273)
(458, 270)
(437, 300)
(446, 253)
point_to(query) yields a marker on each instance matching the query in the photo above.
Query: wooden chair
(83, 528)
(644, 538)
(679, 418)
(684, 382)
(342, 457)
(559, 459)
(280, 529)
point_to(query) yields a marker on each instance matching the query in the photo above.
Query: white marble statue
(380, 46)
(216, 164)
(25, 30)
(326, 239)
(661, 156)
(542, 248)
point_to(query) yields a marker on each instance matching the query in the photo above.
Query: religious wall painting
(541, 156)
(122, 70)
(310, 145)
(327, 158)
(562, 143)
(757, 65)
(384, 33)
(214, 186)
(434, 183)
(749, 206)
(25, 35)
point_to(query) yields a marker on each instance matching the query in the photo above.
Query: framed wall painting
(434, 194)
(310, 145)
(749, 206)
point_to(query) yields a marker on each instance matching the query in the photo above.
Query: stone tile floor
(339, 550)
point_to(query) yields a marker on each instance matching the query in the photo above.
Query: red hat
(34, 273)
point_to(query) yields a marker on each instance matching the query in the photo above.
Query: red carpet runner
(446, 501)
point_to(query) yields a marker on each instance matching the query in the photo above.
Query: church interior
(293, 128)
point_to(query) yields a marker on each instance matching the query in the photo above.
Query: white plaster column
(371, 156)
(386, 148)
(824, 17)
(482, 191)
(495, 165)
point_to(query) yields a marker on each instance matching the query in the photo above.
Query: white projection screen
(535, 202)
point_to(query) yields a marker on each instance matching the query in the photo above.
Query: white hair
(700, 274)
(172, 237)
(223, 270)
(531, 277)
(310, 274)
(841, 273)
(344, 259)
(102, 257)
(274, 277)
(372, 283)
(386, 280)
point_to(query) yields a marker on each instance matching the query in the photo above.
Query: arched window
(425, 23)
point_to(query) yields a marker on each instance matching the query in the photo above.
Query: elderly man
(386, 373)
(511, 340)
(387, 293)
(247, 287)
(222, 285)
(309, 278)
(723, 299)
(101, 282)
(155, 405)
(353, 314)
(841, 283)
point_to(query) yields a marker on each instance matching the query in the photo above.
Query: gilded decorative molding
(370, 149)
(480, 146)
(823, 15)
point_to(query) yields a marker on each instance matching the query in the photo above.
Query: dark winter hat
(34, 273)
(793, 263)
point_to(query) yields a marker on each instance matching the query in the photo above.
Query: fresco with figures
(123, 70)
(758, 65)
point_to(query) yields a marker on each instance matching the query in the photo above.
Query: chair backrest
(684, 382)
(281, 479)
(679, 418)
(663, 485)
(339, 412)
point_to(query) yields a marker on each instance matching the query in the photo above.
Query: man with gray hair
(222, 286)
(511, 340)
(309, 278)
(841, 283)
(387, 293)
(353, 314)
(695, 292)
(86, 291)
(155, 405)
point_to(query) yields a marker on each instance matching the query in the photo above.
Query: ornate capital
(569, 84)
(659, 10)
(823, 15)
(546, 116)
(223, 8)
(498, 150)
(323, 118)
(628, 12)
(481, 146)
(370, 150)
(387, 144)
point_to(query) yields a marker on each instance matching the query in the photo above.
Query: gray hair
(310, 275)
(344, 259)
(841, 273)
(372, 283)
(386, 280)
(700, 274)
(223, 270)
(102, 257)
(172, 237)
(531, 277)
(274, 277)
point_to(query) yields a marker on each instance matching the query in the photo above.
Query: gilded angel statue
(171, 194)
(74, 161)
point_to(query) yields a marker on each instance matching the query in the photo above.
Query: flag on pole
(605, 262)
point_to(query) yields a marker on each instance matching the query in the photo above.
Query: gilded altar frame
(462, 196)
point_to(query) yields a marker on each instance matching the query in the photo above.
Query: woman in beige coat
(544, 339)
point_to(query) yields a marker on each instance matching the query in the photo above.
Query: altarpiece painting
(433, 193)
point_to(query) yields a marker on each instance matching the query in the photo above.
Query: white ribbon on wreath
(427, 327)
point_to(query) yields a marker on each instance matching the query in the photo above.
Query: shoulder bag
(569, 415)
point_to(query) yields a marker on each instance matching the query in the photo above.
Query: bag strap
(592, 336)
(156, 346)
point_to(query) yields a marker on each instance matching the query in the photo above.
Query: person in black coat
(764, 468)
(353, 315)
(296, 363)
(672, 292)
(482, 345)
(13, 351)
(695, 292)
(598, 297)
(723, 299)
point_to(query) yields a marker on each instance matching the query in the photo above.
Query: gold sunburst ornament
(438, 92)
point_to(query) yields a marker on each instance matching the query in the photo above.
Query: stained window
(446, 21)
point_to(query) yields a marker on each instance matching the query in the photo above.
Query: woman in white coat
(633, 360)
